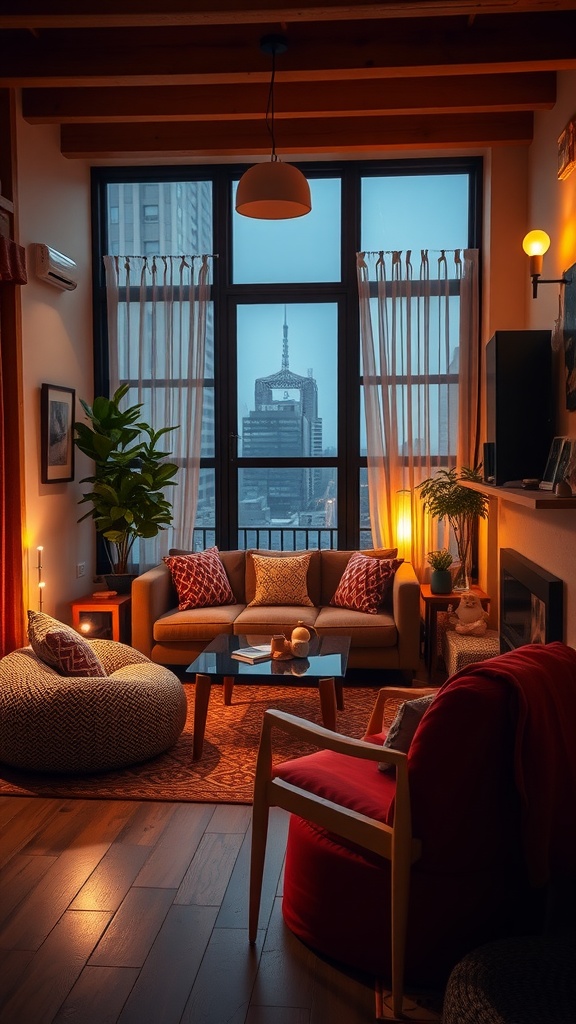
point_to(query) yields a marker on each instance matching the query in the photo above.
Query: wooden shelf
(6, 204)
(522, 496)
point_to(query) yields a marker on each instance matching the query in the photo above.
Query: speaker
(519, 405)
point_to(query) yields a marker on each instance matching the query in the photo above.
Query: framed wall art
(566, 154)
(57, 433)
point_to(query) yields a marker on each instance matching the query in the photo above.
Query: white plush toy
(469, 617)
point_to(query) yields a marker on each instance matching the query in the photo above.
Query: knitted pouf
(523, 980)
(64, 724)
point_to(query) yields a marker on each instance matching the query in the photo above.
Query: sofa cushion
(333, 564)
(234, 563)
(312, 579)
(365, 582)
(62, 647)
(200, 579)
(363, 629)
(267, 620)
(281, 580)
(196, 625)
(402, 729)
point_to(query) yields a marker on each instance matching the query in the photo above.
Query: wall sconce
(535, 244)
(273, 191)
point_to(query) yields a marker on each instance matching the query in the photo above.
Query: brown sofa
(390, 639)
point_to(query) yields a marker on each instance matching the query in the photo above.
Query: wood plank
(168, 862)
(54, 969)
(334, 988)
(280, 1015)
(285, 975)
(97, 996)
(58, 832)
(13, 966)
(22, 826)
(530, 91)
(310, 136)
(126, 942)
(110, 881)
(147, 823)
(36, 916)
(224, 983)
(234, 909)
(230, 818)
(204, 884)
(85, 14)
(175, 957)
(17, 880)
(195, 56)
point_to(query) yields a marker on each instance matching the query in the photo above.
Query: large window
(283, 440)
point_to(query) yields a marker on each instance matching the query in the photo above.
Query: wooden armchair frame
(393, 842)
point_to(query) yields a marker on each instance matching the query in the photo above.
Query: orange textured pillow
(365, 583)
(200, 579)
(281, 580)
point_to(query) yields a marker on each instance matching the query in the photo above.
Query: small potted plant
(127, 488)
(440, 577)
(444, 497)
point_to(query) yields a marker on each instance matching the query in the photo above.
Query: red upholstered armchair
(400, 873)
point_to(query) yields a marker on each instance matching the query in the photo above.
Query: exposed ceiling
(187, 78)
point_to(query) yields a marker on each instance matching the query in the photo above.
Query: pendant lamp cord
(270, 107)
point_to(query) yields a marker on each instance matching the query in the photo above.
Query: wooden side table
(434, 603)
(102, 618)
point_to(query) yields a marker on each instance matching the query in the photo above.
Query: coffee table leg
(228, 687)
(202, 698)
(327, 692)
(339, 694)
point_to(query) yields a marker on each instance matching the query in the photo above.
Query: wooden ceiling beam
(362, 51)
(246, 139)
(86, 14)
(221, 102)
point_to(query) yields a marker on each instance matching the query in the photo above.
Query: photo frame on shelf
(550, 475)
(57, 411)
(566, 470)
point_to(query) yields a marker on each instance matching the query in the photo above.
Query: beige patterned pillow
(281, 580)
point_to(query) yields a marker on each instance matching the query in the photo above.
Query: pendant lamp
(273, 191)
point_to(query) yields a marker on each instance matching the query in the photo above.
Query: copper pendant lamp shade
(273, 190)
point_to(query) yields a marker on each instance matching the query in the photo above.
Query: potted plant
(131, 472)
(440, 577)
(444, 497)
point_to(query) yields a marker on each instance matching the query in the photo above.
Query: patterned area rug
(226, 772)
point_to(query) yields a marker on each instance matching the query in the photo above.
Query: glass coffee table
(325, 665)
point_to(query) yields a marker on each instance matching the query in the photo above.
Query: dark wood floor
(136, 913)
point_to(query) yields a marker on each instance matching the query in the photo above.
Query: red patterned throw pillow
(62, 647)
(200, 579)
(365, 583)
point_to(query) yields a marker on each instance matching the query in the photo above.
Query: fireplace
(531, 602)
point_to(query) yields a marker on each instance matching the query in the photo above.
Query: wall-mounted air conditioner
(54, 267)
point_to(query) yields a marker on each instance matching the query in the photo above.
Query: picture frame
(57, 413)
(566, 154)
(566, 470)
(550, 475)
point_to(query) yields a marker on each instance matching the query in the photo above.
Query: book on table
(260, 652)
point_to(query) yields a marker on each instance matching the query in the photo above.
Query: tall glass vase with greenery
(444, 497)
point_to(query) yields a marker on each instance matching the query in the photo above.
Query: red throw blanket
(544, 679)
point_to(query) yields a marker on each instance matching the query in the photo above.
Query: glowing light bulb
(536, 243)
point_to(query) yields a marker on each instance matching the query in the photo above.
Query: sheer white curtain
(158, 314)
(420, 363)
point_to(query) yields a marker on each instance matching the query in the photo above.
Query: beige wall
(548, 538)
(521, 190)
(57, 349)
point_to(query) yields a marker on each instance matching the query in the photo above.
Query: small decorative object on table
(441, 577)
(280, 648)
(469, 618)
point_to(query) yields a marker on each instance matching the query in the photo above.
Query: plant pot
(120, 582)
(441, 581)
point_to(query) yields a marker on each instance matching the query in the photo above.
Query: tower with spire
(283, 424)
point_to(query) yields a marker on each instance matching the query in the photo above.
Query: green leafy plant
(131, 472)
(444, 497)
(440, 560)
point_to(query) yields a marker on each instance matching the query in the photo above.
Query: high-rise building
(283, 424)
